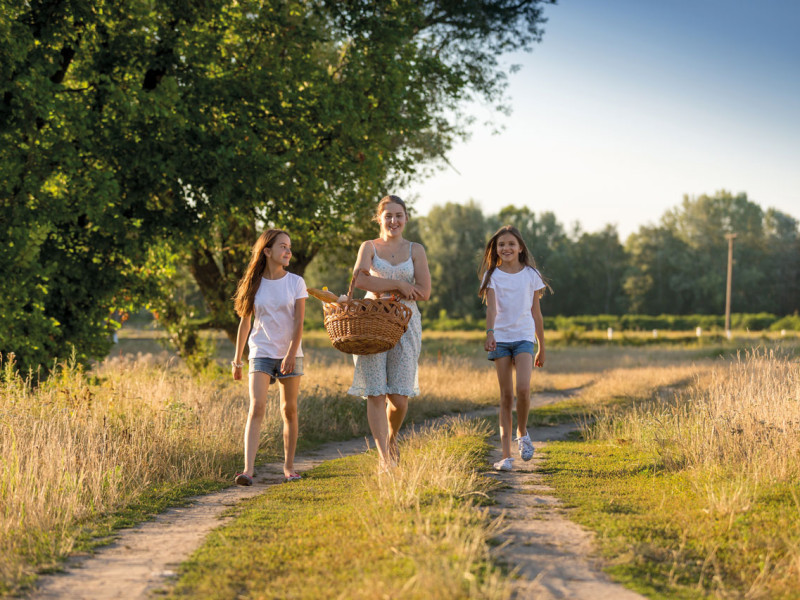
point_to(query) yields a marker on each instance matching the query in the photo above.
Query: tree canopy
(143, 135)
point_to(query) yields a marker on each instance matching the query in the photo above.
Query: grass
(139, 432)
(83, 453)
(342, 532)
(695, 492)
(659, 533)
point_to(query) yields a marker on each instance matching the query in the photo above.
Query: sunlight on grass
(706, 473)
(79, 447)
(140, 431)
(346, 532)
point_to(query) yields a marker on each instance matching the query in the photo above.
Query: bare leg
(290, 387)
(524, 364)
(396, 410)
(378, 425)
(259, 386)
(505, 379)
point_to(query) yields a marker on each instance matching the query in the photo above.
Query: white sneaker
(525, 447)
(504, 465)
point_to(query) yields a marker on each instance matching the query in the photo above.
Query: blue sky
(627, 105)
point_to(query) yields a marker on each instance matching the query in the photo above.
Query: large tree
(193, 124)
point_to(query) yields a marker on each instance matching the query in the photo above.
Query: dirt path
(551, 555)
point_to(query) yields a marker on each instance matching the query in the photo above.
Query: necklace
(391, 253)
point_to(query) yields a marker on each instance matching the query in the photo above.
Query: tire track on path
(551, 556)
(145, 558)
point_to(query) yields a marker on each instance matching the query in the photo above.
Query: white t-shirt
(513, 293)
(273, 321)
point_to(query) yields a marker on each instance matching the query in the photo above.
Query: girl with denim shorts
(511, 287)
(391, 265)
(271, 302)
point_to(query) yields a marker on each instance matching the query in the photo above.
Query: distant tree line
(678, 266)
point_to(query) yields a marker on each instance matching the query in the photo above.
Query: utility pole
(729, 237)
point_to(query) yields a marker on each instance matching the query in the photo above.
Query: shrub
(790, 322)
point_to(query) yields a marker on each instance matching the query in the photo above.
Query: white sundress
(393, 371)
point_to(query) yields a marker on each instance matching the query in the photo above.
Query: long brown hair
(491, 259)
(245, 295)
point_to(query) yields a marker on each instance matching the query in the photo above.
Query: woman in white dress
(391, 265)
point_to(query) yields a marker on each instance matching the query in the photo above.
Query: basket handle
(353, 282)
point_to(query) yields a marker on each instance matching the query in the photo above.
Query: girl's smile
(508, 249)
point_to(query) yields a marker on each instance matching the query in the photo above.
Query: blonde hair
(491, 259)
(245, 295)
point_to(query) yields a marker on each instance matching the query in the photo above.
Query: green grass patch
(154, 500)
(346, 532)
(656, 529)
(565, 411)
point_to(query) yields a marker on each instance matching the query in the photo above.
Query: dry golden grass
(74, 448)
(742, 415)
(617, 386)
(80, 446)
(733, 437)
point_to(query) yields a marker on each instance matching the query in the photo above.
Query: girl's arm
(491, 314)
(241, 340)
(536, 312)
(287, 365)
(422, 274)
(379, 285)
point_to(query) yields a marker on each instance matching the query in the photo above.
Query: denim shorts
(272, 367)
(511, 349)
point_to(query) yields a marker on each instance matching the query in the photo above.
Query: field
(685, 464)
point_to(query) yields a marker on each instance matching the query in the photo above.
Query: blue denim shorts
(272, 367)
(511, 349)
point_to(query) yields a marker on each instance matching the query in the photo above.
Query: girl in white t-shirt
(271, 301)
(511, 287)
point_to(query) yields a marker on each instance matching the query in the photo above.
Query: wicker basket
(364, 326)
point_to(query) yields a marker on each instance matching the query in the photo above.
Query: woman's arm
(241, 340)
(538, 320)
(422, 274)
(378, 285)
(491, 314)
(287, 365)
